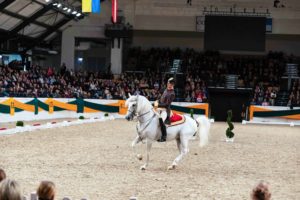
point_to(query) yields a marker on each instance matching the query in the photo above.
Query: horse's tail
(203, 129)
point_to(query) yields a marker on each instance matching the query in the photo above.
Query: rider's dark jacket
(166, 99)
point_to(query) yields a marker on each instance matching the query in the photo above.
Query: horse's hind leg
(149, 145)
(182, 145)
(133, 144)
(178, 144)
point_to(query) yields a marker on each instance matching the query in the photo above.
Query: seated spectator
(265, 102)
(10, 190)
(46, 190)
(2, 175)
(261, 191)
(253, 101)
(273, 97)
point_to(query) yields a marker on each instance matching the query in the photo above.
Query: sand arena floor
(96, 161)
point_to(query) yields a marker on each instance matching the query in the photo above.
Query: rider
(165, 102)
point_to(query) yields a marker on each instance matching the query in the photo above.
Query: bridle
(133, 112)
(143, 122)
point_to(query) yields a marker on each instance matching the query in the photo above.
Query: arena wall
(29, 109)
(274, 115)
(176, 16)
(289, 44)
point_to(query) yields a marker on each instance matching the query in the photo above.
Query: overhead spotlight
(59, 5)
(47, 1)
(65, 8)
(74, 12)
(78, 14)
(69, 10)
(54, 4)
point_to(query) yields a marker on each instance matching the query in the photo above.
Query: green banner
(4, 109)
(43, 105)
(100, 107)
(276, 113)
(188, 110)
(80, 105)
(37, 103)
(34, 102)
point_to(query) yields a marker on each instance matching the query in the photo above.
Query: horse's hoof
(172, 167)
(143, 168)
(139, 157)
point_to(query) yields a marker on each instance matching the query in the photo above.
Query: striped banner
(91, 6)
(274, 112)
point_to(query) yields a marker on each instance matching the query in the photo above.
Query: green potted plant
(192, 113)
(20, 124)
(81, 117)
(229, 133)
(106, 115)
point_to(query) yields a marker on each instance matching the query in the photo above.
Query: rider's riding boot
(163, 131)
(168, 121)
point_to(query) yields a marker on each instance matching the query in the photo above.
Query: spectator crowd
(262, 73)
(39, 82)
(201, 70)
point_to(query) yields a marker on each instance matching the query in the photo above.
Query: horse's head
(131, 103)
(136, 105)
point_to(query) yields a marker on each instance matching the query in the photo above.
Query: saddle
(176, 119)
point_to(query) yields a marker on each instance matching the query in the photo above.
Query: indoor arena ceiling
(35, 20)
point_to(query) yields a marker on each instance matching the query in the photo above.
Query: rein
(148, 123)
(139, 117)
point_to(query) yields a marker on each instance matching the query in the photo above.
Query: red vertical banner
(114, 11)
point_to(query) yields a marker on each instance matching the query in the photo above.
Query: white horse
(148, 128)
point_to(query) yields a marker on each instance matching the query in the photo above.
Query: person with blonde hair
(2, 175)
(261, 191)
(10, 190)
(46, 190)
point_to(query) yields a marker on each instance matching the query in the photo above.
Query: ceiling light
(54, 4)
(74, 12)
(59, 5)
(47, 0)
(78, 15)
(65, 8)
(69, 10)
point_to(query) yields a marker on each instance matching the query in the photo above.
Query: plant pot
(229, 139)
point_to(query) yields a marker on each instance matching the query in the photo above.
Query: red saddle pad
(175, 117)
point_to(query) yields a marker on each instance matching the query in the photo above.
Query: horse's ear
(129, 95)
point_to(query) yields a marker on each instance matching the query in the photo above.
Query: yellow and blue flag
(92, 6)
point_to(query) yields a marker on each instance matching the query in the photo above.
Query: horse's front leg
(133, 145)
(149, 145)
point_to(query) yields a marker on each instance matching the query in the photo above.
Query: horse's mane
(139, 97)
